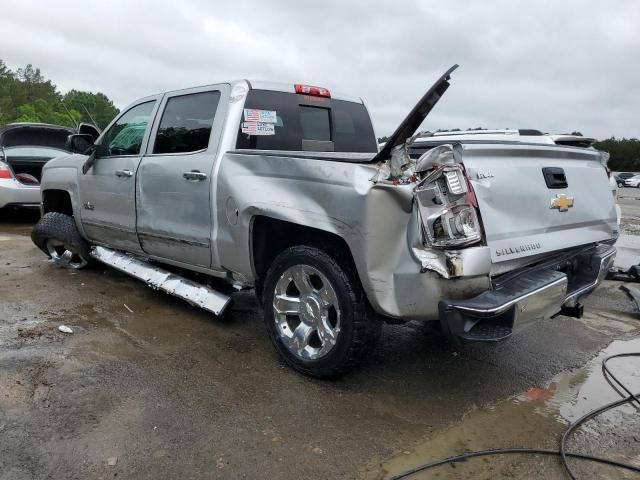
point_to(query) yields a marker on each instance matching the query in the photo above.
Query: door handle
(554, 177)
(124, 173)
(195, 175)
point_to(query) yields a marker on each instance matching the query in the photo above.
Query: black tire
(620, 185)
(359, 327)
(54, 226)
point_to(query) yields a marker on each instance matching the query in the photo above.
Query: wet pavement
(158, 389)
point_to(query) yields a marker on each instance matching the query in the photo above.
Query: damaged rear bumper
(526, 295)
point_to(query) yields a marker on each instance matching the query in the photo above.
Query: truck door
(107, 190)
(174, 197)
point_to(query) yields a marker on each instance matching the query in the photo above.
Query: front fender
(62, 174)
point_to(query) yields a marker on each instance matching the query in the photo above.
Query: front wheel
(57, 236)
(316, 313)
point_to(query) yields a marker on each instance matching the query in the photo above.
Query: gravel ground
(168, 391)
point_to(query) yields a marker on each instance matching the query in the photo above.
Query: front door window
(125, 136)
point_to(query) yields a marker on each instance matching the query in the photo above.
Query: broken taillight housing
(447, 207)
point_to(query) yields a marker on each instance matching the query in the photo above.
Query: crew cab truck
(282, 188)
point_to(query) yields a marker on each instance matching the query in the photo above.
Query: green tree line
(624, 153)
(27, 96)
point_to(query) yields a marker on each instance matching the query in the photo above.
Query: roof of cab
(262, 85)
(290, 88)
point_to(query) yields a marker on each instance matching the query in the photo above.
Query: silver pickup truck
(282, 188)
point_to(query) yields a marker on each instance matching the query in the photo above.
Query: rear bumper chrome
(529, 294)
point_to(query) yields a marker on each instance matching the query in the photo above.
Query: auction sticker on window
(261, 116)
(258, 128)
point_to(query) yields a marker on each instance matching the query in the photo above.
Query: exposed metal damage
(443, 200)
(194, 293)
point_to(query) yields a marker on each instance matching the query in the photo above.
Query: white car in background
(633, 182)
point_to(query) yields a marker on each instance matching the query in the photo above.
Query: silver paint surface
(342, 194)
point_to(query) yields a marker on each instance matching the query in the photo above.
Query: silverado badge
(562, 202)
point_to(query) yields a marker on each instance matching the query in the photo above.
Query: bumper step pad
(487, 331)
(524, 296)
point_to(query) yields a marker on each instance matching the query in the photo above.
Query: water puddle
(536, 418)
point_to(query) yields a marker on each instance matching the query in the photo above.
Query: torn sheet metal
(431, 260)
(402, 169)
(196, 294)
(633, 292)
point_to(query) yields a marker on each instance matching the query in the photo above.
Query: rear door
(174, 209)
(107, 190)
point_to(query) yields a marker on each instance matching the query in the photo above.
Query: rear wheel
(56, 235)
(316, 313)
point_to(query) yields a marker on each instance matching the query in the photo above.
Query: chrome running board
(195, 293)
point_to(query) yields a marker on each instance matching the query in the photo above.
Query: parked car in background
(633, 182)
(622, 176)
(24, 150)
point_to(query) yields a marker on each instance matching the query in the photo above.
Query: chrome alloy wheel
(306, 312)
(65, 255)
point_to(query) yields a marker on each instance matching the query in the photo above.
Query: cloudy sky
(551, 65)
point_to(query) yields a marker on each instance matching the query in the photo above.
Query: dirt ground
(148, 387)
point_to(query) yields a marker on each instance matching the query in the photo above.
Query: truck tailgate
(525, 214)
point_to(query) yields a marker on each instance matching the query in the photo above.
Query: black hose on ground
(615, 383)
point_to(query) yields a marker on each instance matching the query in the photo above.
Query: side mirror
(80, 143)
(88, 129)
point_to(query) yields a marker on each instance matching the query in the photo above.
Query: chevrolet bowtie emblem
(562, 202)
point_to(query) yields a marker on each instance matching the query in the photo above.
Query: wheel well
(57, 201)
(271, 236)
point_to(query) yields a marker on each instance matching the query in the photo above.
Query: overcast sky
(557, 66)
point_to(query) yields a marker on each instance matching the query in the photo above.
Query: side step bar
(196, 294)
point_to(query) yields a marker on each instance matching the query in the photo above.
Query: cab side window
(186, 123)
(125, 136)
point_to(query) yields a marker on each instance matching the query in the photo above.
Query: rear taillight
(5, 171)
(312, 91)
(448, 207)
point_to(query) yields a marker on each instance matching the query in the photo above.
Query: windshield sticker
(262, 116)
(258, 128)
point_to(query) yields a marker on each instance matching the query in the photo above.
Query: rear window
(281, 121)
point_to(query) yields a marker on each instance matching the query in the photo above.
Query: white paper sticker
(261, 116)
(258, 128)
